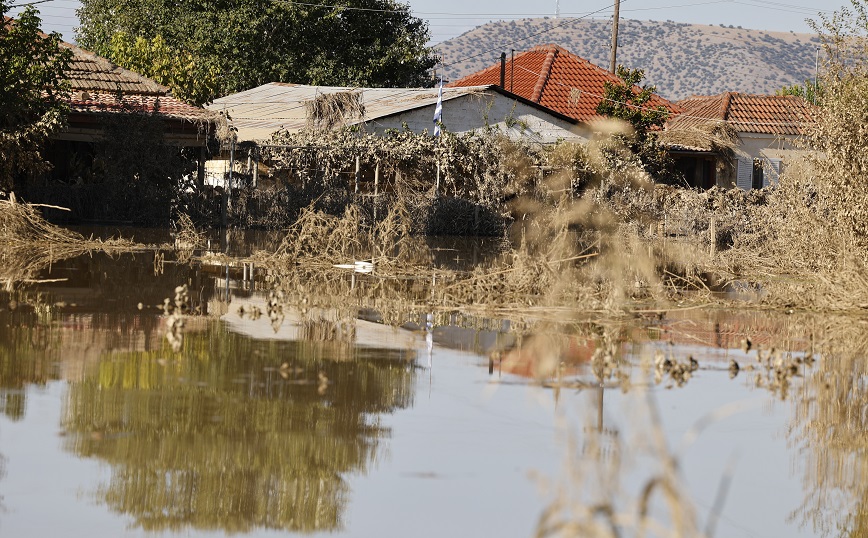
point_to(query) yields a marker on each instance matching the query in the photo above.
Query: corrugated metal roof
(261, 111)
(766, 114)
(557, 79)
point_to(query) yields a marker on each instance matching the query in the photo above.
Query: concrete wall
(476, 111)
(773, 150)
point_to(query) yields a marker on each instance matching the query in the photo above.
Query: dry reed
(28, 243)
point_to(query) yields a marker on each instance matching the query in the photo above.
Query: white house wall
(773, 150)
(475, 112)
(754, 144)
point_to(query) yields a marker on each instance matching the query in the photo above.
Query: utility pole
(613, 63)
(816, 77)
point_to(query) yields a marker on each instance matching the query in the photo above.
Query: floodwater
(319, 423)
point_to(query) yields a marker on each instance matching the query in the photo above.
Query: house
(102, 90)
(553, 77)
(763, 129)
(260, 112)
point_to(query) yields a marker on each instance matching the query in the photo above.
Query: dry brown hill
(680, 59)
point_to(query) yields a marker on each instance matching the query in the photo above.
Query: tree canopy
(623, 102)
(33, 89)
(203, 50)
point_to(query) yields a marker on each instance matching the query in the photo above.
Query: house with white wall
(258, 113)
(767, 130)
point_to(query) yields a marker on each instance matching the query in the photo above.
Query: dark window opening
(757, 174)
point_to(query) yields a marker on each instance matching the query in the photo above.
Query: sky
(450, 18)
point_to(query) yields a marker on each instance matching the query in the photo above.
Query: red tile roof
(98, 85)
(165, 105)
(90, 72)
(557, 79)
(768, 114)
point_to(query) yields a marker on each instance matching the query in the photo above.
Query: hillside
(680, 59)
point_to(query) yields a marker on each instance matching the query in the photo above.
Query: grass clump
(28, 243)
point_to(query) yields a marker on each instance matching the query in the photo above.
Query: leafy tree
(203, 50)
(33, 89)
(628, 101)
(809, 91)
(190, 78)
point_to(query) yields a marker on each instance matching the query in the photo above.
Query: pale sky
(449, 18)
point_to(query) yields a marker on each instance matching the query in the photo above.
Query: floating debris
(733, 368)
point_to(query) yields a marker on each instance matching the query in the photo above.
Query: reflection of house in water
(232, 434)
(727, 329)
(316, 325)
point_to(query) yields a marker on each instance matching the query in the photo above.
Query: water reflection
(830, 430)
(234, 434)
(253, 426)
(29, 350)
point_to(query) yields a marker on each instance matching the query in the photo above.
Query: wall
(768, 148)
(476, 111)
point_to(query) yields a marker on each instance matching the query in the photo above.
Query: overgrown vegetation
(134, 175)
(33, 90)
(623, 101)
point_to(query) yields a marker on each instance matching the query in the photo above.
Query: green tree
(191, 79)
(630, 102)
(33, 92)
(809, 91)
(225, 47)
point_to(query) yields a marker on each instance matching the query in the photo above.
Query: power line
(525, 38)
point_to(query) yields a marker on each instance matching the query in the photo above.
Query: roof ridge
(545, 73)
(726, 105)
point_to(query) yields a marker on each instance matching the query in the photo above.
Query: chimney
(503, 70)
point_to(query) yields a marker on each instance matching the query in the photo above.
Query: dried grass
(329, 110)
(29, 244)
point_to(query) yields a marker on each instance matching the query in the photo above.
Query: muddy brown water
(354, 428)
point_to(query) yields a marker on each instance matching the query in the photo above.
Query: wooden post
(358, 172)
(712, 235)
(614, 56)
(256, 167)
(200, 168)
(228, 187)
(376, 188)
(231, 163)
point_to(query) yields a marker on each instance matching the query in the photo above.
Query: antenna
(557, 9)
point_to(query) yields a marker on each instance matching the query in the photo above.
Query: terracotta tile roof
(768, 114)
(90, 72)
(555, 78)
(97, 84)
(166, 105)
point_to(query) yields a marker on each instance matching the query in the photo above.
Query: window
(757, 182)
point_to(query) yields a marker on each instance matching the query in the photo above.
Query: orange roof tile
(98, 85)
(557, 79)
(165, 105)
(768, 114)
